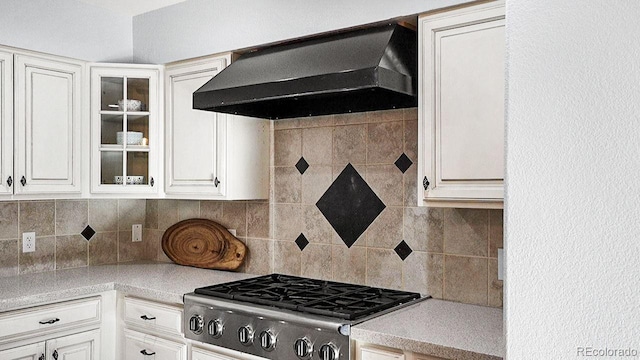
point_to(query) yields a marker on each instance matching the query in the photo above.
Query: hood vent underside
(362, 70)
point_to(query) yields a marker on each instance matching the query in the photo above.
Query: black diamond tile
(302, 165)
(350, 205)
(403, 250)
(302, 242)
(88, 232)
(403, 163)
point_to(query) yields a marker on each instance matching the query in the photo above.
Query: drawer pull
(145, 317)
(48, 322)
(145, 353)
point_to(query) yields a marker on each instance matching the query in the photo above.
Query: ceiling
(131, 8)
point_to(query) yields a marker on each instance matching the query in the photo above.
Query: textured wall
(201, 27)
(572, 277)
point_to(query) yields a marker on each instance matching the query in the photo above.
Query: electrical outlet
(232, 231)
(28, 242)
(136, 233)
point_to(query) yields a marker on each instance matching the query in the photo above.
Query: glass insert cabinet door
(125, 133)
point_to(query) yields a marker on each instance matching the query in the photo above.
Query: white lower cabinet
(376, 352)
(82, 346)
(201, 354)
(139, 346)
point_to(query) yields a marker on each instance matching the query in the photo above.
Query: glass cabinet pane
(112, 90)
(138, 127)
(110, 127)
(137, 168)
(111, 167)
(138, 89)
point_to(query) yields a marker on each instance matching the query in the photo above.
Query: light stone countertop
(438, 328)
(432, 327)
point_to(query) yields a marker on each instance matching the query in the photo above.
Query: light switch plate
(500, 264)
(28, 242)
(136, 233)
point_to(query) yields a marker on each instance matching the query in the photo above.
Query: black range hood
(361, 70)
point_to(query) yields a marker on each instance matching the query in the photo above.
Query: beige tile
(287, 221)
(131, 251)
(435, 275)
(234, 216)
(411, 140)
(410, 113)
(37, 216)
(130, 212)
(350, 144)
(495, 285)
(316, 227)
(103, 214)
(349, 265)
(103, 248)
(316, 121)
(8, 220)
(338, 169)
(188, 209)
(286, 124)
(9, 257)
(72, 251)
(315, 182)
(167, 213)
(153, 239)
(416, 273)
(151, 214)
(43, 259)
(384, 268)
(386, 230)
(466, 231)
(259, 259)
(287, 146)
(495, 232)
(287, 185)
(286, 258)
(386, 182)
(386, 115)
(314, 262)
(72, 216)
(211, 210)
(258, 220)
(351, 118)
(384, 143)
(410, 179)
(465, 279)
(423, 228)
(317, 144)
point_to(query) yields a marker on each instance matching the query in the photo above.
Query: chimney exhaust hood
(360, 70)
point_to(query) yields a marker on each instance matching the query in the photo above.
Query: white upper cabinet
(211, 155)
(461, 107)
(125, 131)
(47, 133)
(6, 123)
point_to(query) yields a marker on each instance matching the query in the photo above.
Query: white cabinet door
(365, 352)
(462, 106)
(82, 346)
(27, 352)
(191, 142)
(48, 125)
(138, 346)
(6, 123)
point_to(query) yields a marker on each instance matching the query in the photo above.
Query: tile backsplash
(447, 253)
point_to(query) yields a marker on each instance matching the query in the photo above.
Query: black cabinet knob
(425, 183)
(23, 181)
(10, 181)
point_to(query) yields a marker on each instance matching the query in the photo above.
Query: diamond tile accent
(88, 232)
(403, 250)
(403, 163)
(302, 165)
(350, 205)
(302, 242)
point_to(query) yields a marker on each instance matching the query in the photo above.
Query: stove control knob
(196, 324)
(215, 328)
(328, 352)
(303, 348)
(267, 340)
(245, 335)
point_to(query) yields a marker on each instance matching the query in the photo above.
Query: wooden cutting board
(204, 244)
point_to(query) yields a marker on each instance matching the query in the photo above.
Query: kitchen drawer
(49, 318)
(366, 352)
(150, 315)
(138, 346)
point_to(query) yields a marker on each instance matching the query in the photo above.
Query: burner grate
(346, 301)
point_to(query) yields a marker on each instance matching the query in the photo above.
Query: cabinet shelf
(130, 148)
(116, 116)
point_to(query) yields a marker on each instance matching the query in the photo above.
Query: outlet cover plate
(136, 233)
(28, 242)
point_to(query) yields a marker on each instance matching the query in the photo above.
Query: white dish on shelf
(131, 180)
(129, 105)
(133, 137)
